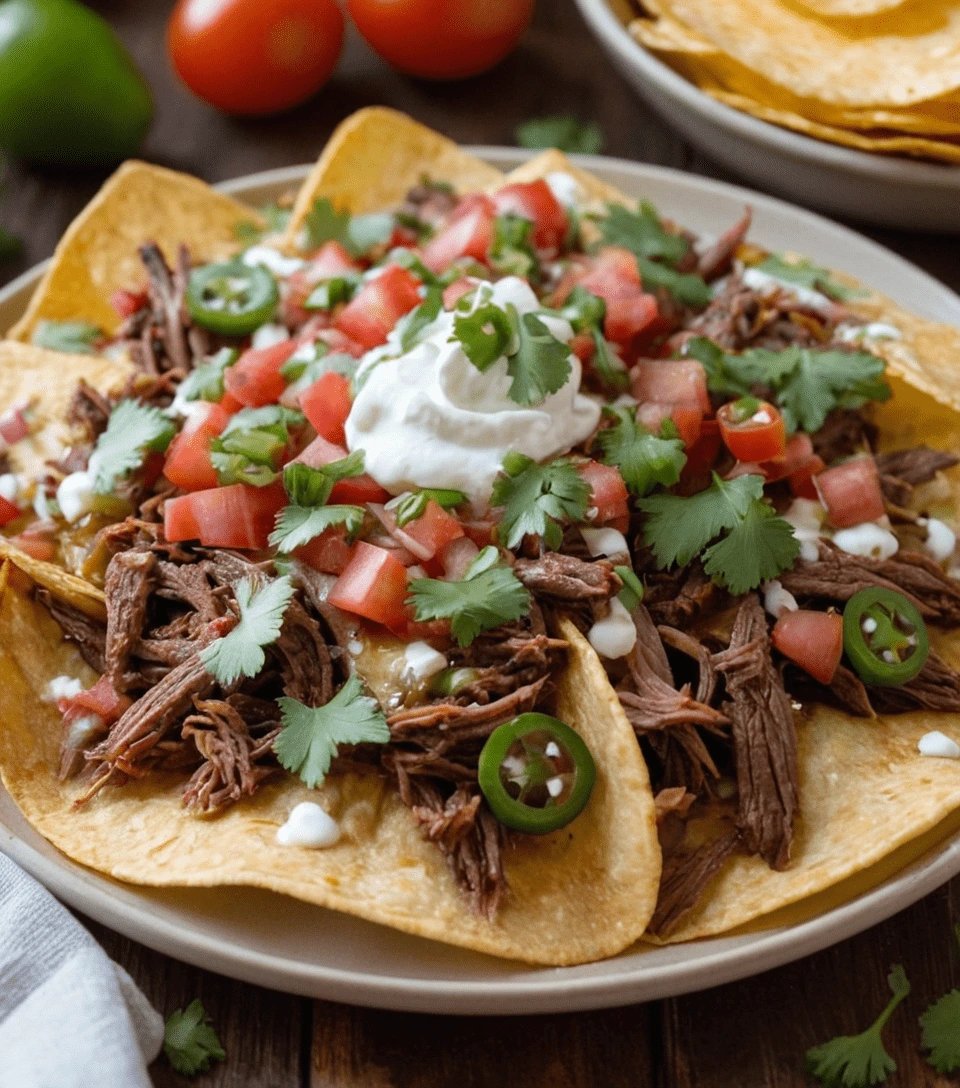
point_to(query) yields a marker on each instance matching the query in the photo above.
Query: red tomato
(613, 276)
(14, 424)
(229, 403)
(327, 404)
(255, 58)
(255, 379)
(188, 463)
(480, 531)
(441, 39)
(101, 700)
(8, 511)
(330, 261)
(608, 492)
(671, 381)
(373, 585)
(534, 200)
(127, 303)
(357, 490)
(378, 306)
(851, 492)
(814, 640)
(238, 516)
(38, 545)
(703, 452)
(329, 552)
(434, 529)
(688, 419)
(628, 317)
(802, 482)
(469, 235)
(762, 436)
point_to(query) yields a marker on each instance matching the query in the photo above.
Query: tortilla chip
(61, 583)
(577, 895)
(548, 162)
(98, 253)
(833, 9)
(375, 157)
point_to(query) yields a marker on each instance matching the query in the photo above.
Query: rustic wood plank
(362, 1048)
(756, 1032)
(265, 1034)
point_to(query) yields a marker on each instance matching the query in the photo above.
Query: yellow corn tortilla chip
(98, 253)
(375, 157)
(847, 8)
(577, 895)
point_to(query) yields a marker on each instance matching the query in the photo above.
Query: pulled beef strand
(685, 879)
(846, 690)
(676, 598)
(936, 687)
(89, 635)
(716, 260)
(127, 587)
(916, 465)
(166, 290)
(305, 663)
(566, 578)
(764, 738)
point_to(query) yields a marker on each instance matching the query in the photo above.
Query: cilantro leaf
(484, 334)
(858, 1061)
(133, 430)
(329, 293)
(824, 380)
(724, 374)
(642, 232)
(805, 273)
(586, 313)
(189, 1041)
(539, 364)
(310, 736)
(644, 459)
(250, 444)
(512, 252)
(77, 337)
(415, 323)
(237, 468)
(205, 382)
(270, 416)
(275, 222)
(565, 133)
(298, 525)
(358, 234)
(686, 287)
(538, 499)
(411, 506)
(489, 596)
(368, 231)
(760, 544)
(940, 1025)
(308, 486)
(240, 652)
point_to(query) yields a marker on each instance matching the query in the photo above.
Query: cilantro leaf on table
(859, 1061)
(298, 525)
(940, 1026)
(275, 218)
(489, 596)
(484, 334)
(759, 546)
(310, 736)
(512, 252)
(76, 337)
(205, 382)
(565, 133)
(358, 234)
(538, 499)
(189, 1041)
(240, 651)
(539, 363)
(805, 273)
(133, 431)
(643, 458)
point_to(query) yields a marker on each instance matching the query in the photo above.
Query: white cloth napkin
(69, 1016)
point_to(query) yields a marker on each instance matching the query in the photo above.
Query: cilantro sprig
(190, 1042)
(757, 544)
(858, 1061)
(358, 234)
(414, 324)
(133, 431)
(247, 449)
(489, 596)
(76, 337)
(240, 651)
(538, 499)
(205, 382)
(563, 132)
(275, 220)
(586, 313)
(310, 736)
(805, 273)
(940, 1028)
(308, 489)
(512, 252)
(645, 460)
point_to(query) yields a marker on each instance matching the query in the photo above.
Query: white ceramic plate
(279, 942)
(896, 192)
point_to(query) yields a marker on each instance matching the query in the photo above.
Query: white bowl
(876, 188)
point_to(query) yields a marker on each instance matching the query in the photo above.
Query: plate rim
(545, 990)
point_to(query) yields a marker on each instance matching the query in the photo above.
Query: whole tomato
(441, 39)
(253, 57)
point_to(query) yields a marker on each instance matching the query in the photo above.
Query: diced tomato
(331, 260)
(608, 492)
(703, 452)
(8, 511)
(614, 277)
(255, 379)
(802, 479)
(469, 234)
(127, 303)
(102, 699)
(534, 200)
(329, 552)
(671, 381)
(762, 436)
(424, 631)
(238, 516)
(456, 557)
(357, 490)
(480, 531)
(434, 529)
(336, 341)
(457, 289)
(688, 419)
(814, 640)
(583, 347)
(230, 404)
(188, 463)
(373, 585)
(14, 424)
(628, 317)
(327, 404)
(851, 492)
(378, 306)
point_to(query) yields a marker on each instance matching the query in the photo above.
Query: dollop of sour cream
(430, 418)
(616, 634)
(777, 600)
(938, 744)
(767, 284)
(867, 539)
(609, 542)
(309, 825)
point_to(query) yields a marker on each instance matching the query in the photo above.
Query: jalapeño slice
(536, 774)
(884, 636)
(231, 298)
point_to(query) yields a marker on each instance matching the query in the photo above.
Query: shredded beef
(676, 598)
(716, 260)
(694, 649)
(166, 289)
(935, 687)
(342, 628)
(844, 432)
(764, 738)
(684, 880)
(128, 585)
(845, 691)
(304, 658)
(566, 578)
(89, 411)
(189, 582)
(895, 491)
(429, 203)
(672, 806)
(916, 465)
(90, 635)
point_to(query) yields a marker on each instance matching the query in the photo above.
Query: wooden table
(751, 1034)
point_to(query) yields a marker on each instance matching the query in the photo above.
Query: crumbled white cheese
(421, 661)
(806, 516)
(941, 539)
(272, 260)
(565, 188)
(355, 646)
(605, 542)
(76, 495)
(9, 486)
(874, 330)
(761, 416)
(867, 539)
(938, 744)
(776, 599)
(309, 825)
(615, 635)
(61, 687)
(269, 335)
